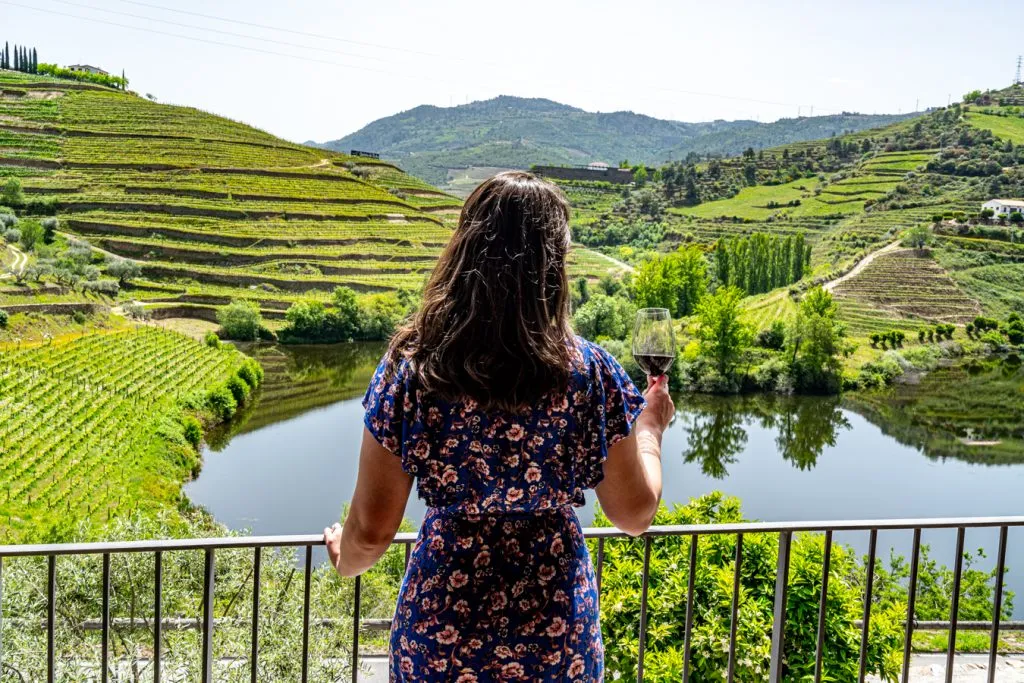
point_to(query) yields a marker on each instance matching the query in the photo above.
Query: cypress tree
(35, 61)
(17, 59)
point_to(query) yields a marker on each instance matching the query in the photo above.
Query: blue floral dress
(500, 586)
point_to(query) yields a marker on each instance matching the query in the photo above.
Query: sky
(308, 70)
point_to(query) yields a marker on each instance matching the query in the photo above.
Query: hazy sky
(339, 65)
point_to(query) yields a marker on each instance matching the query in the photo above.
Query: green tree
(379, 315)
(31, 234)
(676, 281)
(345, 316)
(240, 320)
(722, 333)
(919, 237)
(11, 194)
(604, 317)
(124, 270)
(640, 176)
(816, 343)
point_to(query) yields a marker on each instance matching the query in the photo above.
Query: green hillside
(850, 196)
(515, 132)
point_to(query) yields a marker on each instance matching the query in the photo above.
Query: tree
(604, 316)
(722, 333)
(345, 316)
(11, 194)
(35, 60)
(676, 281)
(640, 176)
(919, 237)
(124, 270)
(4, 318)
(1016, 217)
(31, 233)
(816, 342)
(240, 320)
(50, 226)
(972, 96)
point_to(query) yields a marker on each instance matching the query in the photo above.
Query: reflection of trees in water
(299, 379)
(717, 431)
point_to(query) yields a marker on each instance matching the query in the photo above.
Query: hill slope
(516, 132)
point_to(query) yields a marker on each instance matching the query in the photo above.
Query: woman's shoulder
(593, 356)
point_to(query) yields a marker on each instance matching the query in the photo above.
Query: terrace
(242, 658)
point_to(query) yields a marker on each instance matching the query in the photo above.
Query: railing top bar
(591, 532)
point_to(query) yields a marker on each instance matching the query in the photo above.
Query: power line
(225, 33)
(433, 54)
(417, 77)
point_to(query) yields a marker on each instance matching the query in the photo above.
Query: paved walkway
(923, 669)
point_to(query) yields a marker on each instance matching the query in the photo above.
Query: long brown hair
(494, 323)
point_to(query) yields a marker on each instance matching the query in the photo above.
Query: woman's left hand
(332, 539)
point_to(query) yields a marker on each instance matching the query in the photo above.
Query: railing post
(819, 647)
(779, 621)
(254, 644)
(734, 620)
(208, 588)
(158, 612)
(51, 617)
(105, 638)
(908, 636)
(688, 629)
(355, 630)
(868, 591)
(644, 581)
(997, 605)
(1, 615)
(954, 610)
(305, 613)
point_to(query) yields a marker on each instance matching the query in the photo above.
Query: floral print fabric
(500, 586)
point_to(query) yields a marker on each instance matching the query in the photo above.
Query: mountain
(517, 132)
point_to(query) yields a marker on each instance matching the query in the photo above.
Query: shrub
(993, 339)
(135, 311)
(251, 373)
(713, 580)
(107, 287)
(920, 336)
(50, 226)
(193, 431)
(212, 340)
(774, 337)
(11, 193)
(239, 389)
(4, 319)
(31, 233)
(8, 220)
(982, 324)
(123, 269)
(79, 317)
(222, 402)
(240, 320)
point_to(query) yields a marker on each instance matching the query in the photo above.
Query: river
(950, 445)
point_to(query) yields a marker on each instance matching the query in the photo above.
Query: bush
(982, 324)
(107, 287)
(222, 402)
(212, 340)
(193, 431)
(7, 220)
(713, 580)
(12, 235)
(50, 226)
(135, 311)
(31, 233)
(4, 319)
(240, 320)
(79, 317)
(993, 339)
(11, 193)
(774, 337)
(251, 373)
(239, 389)
(880, 372)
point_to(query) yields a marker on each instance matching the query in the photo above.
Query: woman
(503, 418)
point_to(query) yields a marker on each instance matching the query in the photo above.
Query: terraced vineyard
(904, 285)
(213, 207)
(94, 427)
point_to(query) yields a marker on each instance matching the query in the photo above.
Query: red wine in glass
(654, 341)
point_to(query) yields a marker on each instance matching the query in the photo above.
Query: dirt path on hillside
(19, 264)
(861, 265)
(617, 263)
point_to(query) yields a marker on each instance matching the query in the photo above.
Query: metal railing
(784, 530)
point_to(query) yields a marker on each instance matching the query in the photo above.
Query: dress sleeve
(616, 404)
(385, 406)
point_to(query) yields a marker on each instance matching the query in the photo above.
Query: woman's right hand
(660, 408)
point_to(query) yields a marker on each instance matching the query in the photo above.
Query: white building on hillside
(90, 69)
(1004, 207)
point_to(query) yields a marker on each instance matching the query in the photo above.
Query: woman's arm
(631, 488)
(378, 504)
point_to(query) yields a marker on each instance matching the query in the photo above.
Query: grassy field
(1008, 127)
(93, 427)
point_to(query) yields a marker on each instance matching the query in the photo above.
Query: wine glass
(654, 341)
